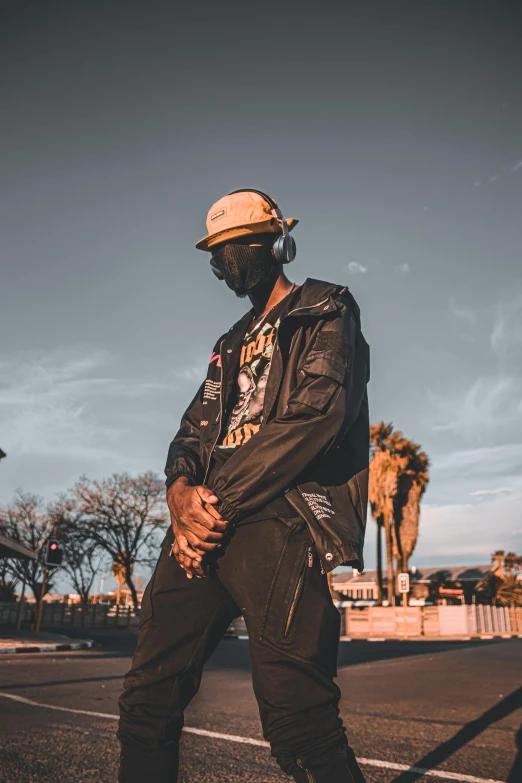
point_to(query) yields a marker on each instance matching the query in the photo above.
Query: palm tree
(500, 590)
(380, 495)
(498, 555)
(120, 564)
(398, 479)
(509, 593)
(510, 562)
(412, 482)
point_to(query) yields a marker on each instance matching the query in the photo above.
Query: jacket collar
(314, 296)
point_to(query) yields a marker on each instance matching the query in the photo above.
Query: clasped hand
(198, 526)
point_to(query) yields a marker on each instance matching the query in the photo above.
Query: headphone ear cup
(284, 249)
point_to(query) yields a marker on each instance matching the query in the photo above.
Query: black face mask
(242, 267)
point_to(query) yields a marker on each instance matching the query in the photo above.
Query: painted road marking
(436, 773)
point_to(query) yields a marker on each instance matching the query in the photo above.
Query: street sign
(403, 582)
(54, 554)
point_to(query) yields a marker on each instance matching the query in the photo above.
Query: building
(10, 548)
(448, 584)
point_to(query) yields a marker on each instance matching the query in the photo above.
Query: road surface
(451, 708)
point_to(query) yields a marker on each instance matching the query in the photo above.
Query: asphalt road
(447, 707)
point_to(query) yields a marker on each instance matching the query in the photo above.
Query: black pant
(269, 573)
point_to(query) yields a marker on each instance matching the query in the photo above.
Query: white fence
(432, 621)
(373, 621)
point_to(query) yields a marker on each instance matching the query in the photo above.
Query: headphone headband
(259, 193)
(284, 247)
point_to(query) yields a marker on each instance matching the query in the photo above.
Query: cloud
(489, 493)
(196, 372)
(44, 403)
(356, 268)
(403, 268)
(71, 403)
(489, 403)
(482, 462)
(506, 334)
(463, 532)
(494, 177)
(469, 531)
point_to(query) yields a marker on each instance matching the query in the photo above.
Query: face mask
(242, 267)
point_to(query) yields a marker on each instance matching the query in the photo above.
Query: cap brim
(271, 226)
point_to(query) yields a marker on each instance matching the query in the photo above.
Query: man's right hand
(196, 530)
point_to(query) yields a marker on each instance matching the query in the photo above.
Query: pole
(379, 565)
(405, 607)
(40, 604)
(102, 580)
(20, 607)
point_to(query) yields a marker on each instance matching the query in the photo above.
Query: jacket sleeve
(183, 458)
(322, 407)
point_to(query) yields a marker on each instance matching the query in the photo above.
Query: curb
(485, 637)
(88, 645)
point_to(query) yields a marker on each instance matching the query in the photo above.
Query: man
(267, 490)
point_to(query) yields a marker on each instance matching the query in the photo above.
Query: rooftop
(431, 574)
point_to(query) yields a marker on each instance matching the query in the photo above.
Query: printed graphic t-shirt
(246, 416)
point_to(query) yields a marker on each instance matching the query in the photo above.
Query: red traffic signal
(54, 554)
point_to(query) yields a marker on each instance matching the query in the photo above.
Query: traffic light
(54, 553)
(403, 582)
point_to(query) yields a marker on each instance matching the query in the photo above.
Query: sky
(392, 130)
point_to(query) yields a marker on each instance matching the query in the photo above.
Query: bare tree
(121, 514)
(25, 522)
(83, 555)
(7, 582)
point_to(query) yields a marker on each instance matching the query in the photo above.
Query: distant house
(451, 584)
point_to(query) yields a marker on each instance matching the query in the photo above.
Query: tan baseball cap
(240, 214)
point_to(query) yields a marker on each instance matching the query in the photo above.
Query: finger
(200, 515)
(197, 569)
(214, 512)
(206, 494)
(185, 549)
(207, 544)
(192, 527)
(192, 568)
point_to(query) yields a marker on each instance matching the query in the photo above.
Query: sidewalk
(25, 642)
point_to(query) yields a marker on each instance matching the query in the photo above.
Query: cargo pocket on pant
(286, 590)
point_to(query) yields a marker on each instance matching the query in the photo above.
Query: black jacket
(314, 442)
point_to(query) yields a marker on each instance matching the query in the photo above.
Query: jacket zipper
(309, 775)
(297, 592)
(297, 309)
(220, 412)
(309, 307)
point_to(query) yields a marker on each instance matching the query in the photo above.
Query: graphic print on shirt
(254, 366)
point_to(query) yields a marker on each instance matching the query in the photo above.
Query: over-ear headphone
(284, 248)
